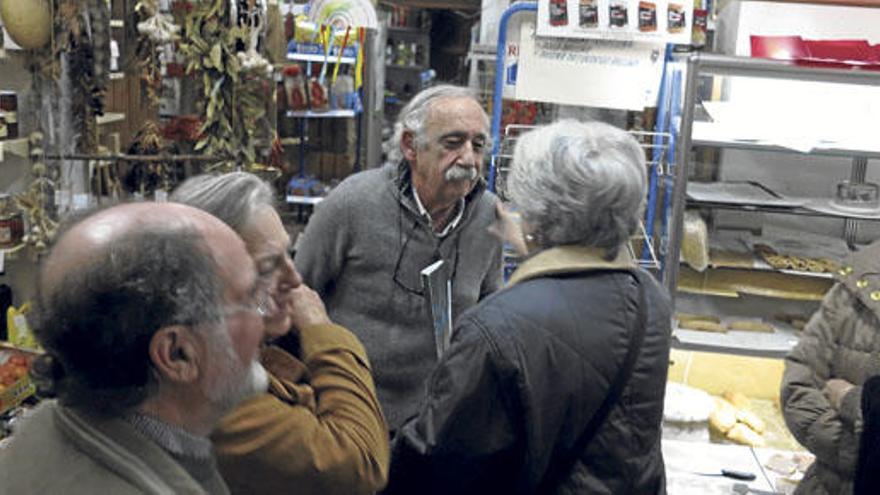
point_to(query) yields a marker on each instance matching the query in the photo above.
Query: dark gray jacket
(363, 250)
(527, 370)
(841, 340)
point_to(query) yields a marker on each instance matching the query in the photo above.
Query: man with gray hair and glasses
(366, 244)
(151, 316)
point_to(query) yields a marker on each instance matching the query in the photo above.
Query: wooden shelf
(18, 147)
(735, 282)
(110, 118)
(328, 114)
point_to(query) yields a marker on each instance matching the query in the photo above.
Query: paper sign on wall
(595, 73)
(659, 21)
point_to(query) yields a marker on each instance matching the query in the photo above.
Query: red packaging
(779, 47)
(558, 13)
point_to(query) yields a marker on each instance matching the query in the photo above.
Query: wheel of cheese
(29, 22)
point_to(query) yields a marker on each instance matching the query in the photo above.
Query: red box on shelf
(855, 54)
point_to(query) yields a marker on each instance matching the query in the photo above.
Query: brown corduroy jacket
(319, 429)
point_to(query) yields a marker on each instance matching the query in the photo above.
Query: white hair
(579, 183)
(234, 197)
(414, 116)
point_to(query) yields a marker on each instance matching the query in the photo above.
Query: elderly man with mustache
(366, 244)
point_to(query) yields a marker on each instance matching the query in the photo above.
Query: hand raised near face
(507, 229)
(306, 308)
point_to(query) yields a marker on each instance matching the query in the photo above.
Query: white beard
(258, 378)
(233, 380)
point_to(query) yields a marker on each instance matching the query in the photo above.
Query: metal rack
(659, 145)
(655, 145)
(305, 115)
(693, 134)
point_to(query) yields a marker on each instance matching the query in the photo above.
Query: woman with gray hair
(554, 384)
(319, 429)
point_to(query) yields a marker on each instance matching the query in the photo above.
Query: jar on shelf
(9, 107)
(11, 223)
(295, 88)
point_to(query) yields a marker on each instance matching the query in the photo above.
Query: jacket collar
(116, 444)
(569, 259)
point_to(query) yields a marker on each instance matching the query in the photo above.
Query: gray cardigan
(363, 250)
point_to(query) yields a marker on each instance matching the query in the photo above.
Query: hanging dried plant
(80, 57)
(35, 201)
(233, 95)
(155, 30)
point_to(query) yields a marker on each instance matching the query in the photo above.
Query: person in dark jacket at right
(867, 480)
(823, 383)
(554, 384)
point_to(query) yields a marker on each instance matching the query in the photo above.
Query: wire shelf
(656, 147)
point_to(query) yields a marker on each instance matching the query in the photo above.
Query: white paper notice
(595, 73)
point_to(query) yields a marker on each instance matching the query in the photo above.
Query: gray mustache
(459, 173)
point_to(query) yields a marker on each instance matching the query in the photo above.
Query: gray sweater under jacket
(363, 251)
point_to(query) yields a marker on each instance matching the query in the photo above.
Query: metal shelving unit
(706, 134)
(647, 246)
(311, 57)
(305, 115)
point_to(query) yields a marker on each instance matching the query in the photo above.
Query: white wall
(795, 174)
